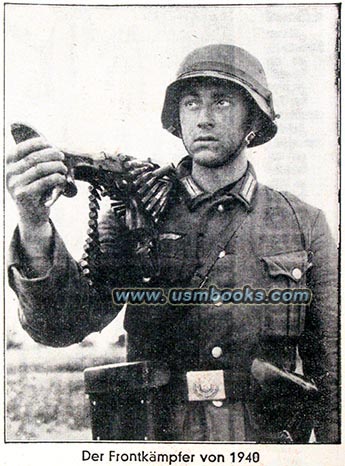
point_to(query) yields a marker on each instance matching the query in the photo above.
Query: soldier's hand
(34, 169)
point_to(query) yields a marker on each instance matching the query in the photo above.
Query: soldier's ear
(178, 130)
(255, 123)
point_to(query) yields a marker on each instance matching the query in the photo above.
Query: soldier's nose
(206, 118)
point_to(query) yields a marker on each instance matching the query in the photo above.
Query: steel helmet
(229, 63)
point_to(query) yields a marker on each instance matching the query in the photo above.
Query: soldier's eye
(223, 103)
(191, 104)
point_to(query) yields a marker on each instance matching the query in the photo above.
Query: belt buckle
(206, 385)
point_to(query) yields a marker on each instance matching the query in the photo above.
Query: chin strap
(250, 136)
(245, 143)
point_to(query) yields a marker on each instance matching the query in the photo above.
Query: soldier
(221, 228)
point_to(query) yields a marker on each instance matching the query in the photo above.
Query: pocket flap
(292, 264)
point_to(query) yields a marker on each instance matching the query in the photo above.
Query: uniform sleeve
(60, 308)
(319, 347)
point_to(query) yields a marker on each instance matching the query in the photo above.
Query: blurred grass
(47, 406)
(45, 397)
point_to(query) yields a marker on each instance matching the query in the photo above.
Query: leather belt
(208, 385)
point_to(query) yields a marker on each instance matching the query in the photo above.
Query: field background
(45, 386)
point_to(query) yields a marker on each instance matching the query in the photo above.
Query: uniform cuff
(44, 289)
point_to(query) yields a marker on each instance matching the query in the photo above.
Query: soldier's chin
(207, 158)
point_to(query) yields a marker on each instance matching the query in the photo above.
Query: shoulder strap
(299, 213)
(238, 216)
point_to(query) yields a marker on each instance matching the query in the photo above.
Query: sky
(94, 78)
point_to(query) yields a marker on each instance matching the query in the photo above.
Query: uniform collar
(243, 190)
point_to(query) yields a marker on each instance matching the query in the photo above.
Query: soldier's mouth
(206, 139)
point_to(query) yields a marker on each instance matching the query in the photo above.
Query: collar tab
(248, 188)
(192, 188)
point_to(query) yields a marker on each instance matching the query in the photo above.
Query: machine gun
(138, 193)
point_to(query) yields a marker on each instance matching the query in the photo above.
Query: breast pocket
(172, 244)
(177, 256)
(286, 278)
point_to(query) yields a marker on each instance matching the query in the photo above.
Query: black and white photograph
(172, 239)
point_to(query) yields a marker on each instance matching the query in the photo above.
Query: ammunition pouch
(121, 399)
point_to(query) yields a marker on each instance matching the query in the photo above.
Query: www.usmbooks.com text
(211, 295)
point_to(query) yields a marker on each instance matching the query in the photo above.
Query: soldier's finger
(39, 187)
(26, 147)
(40, 170)
(45, 155)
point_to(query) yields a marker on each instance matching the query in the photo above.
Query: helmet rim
(224, 70)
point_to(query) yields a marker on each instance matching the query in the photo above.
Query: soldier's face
(214, 119)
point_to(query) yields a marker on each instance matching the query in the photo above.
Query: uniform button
(297, 273)
(220, 208)
(146, 279)
(219, 303)
(217, 352)
(217, 403)
(221, 254)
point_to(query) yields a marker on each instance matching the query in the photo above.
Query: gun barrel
(100, 161)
